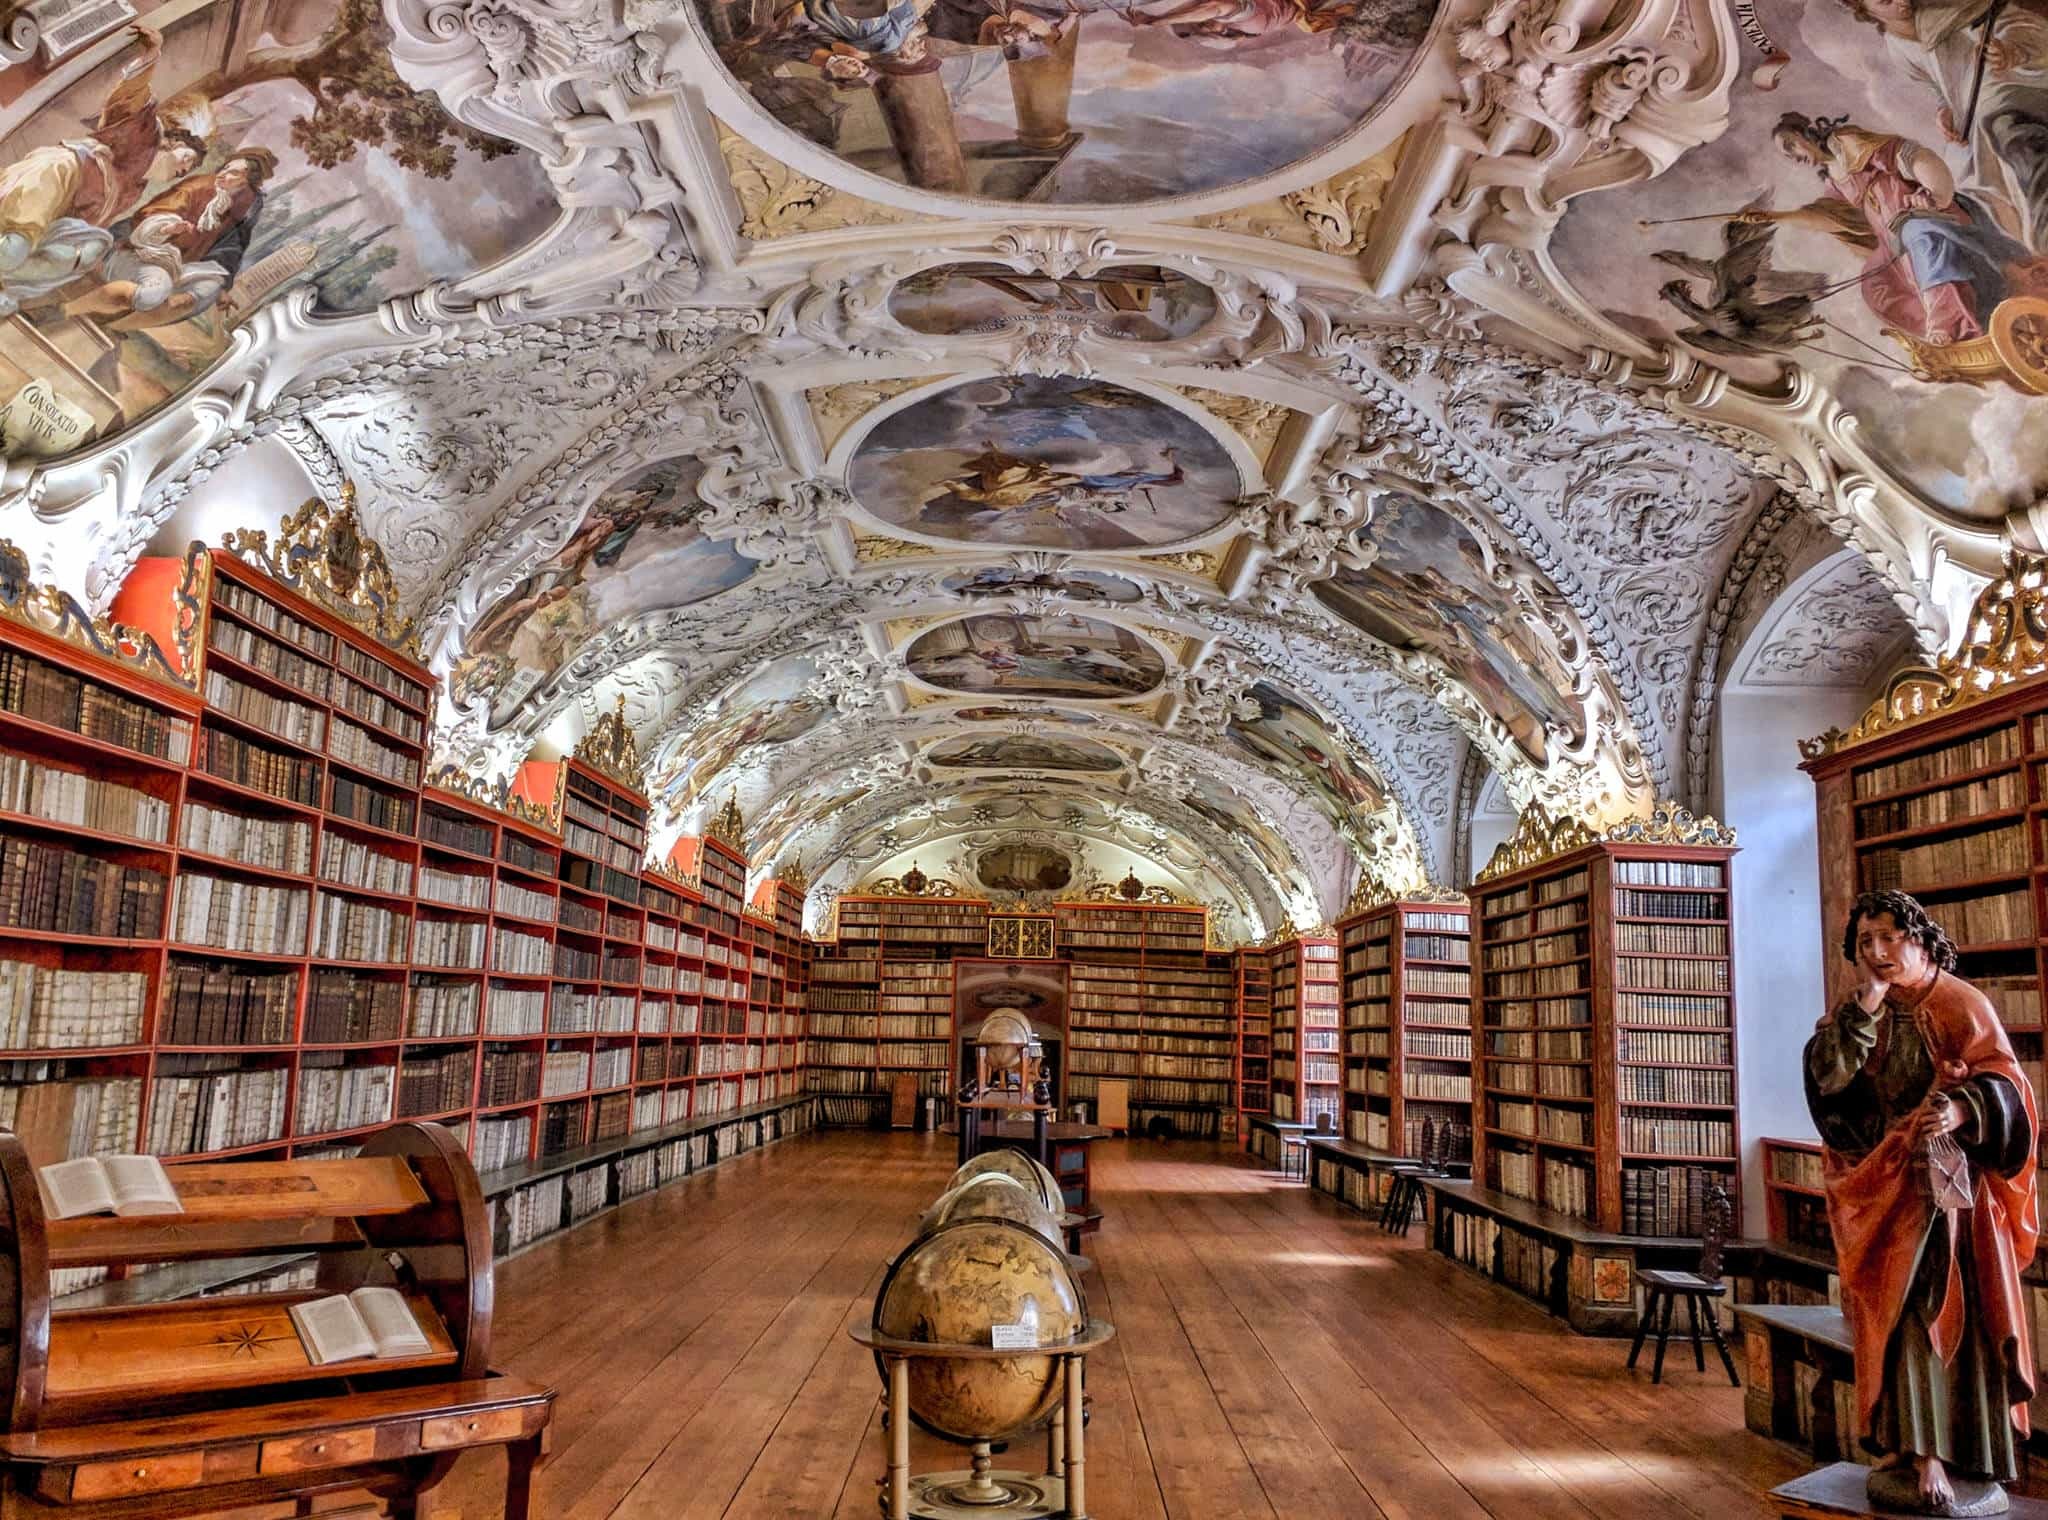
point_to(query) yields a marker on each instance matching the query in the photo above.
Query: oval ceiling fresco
(1023, 867)
(1000, 655)
(1024, 752)
(1136, 303)
(1045, 463)
(1291, 736)
(1065, 102)
(1009, 580)
(635, 551)
(229, 174)
(1427, 588)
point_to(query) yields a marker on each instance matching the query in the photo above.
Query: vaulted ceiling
(1201, 437)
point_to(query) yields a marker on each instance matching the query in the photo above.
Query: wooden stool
(1405, 1191)
(1701, 1289)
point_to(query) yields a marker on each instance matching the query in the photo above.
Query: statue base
(1898, 1490)
(1847, 1491)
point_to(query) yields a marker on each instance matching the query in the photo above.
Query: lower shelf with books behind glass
(534, 1199)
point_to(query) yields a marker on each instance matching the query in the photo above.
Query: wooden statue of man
(1928, 1126)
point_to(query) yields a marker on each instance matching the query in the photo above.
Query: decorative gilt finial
(610, 747)
(1130, 889)
(1537, 837)
(55, 612)
(795, 877)
(729, 826)
(322, 552)
(915, 881)
(2006, 641)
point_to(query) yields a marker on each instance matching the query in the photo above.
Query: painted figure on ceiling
(1928, 1132)
(1935, 261)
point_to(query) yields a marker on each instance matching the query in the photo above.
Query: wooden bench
(195, 1405)
(1777, 1339)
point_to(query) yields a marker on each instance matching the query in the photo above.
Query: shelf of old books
(1406, 973)
(1307, 1079)
(1254, 1034)
(881, 1000)
(1604, 1073)
(1946, 798)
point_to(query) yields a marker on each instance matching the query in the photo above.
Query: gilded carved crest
(729, 825)
(54, 612)
(610, 747)
(323, 553)
(2006, 642)
(1538, 837)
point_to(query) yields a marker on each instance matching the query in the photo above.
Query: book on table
(124, 1185)
(370, 1323)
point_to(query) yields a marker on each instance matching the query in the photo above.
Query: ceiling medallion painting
(1047, 463)
(234, 155)
(1027, 715)
(1023, 868)
(999, 655)
(1418, 580)
(772, 707)
(1134, 303)
(1878, 213)
(987, 581)
(1069, 102)
(1024, 752)
(637, 549)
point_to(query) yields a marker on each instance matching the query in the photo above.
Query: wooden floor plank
(1277, 1356)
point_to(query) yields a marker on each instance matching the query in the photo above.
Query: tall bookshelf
(1307, 1070)
(1604, 1075)
(1254, 1034)
(1941, 791)
(881, 1000)
(1406, 976)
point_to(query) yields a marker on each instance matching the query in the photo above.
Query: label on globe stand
(1022, 1336)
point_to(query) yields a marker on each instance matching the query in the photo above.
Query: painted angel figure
(1927, 1127)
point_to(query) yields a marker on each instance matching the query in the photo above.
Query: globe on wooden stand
(1026, 1171)
(992, 1195)
(1009, 1075)
(980, 1332)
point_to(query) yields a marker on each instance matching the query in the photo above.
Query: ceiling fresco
(1063, 104)
(1211, 439)
(1073, 657)
(1045, 462)
(202, 162)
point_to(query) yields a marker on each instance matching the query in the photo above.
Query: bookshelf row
(235, 918)
(1405, 970)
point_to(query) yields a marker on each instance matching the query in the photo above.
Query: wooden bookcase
(1254, 1035)
(1307, 1031)
(1795, 1205)
(331, 941)
(1406, 973)
(1952, 808)
(1604, 1070)
(881, 1000)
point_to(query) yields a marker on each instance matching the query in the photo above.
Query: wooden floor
(1276, 1357)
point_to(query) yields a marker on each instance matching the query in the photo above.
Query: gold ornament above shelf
(912, 883)
(323, 553)
(495, 795)
(611, 748)
(729, 825)
(51, 611)
(795, 876)
(2006, 642)
(1538, 837)
(1370, 894)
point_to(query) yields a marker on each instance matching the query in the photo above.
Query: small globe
(948, 1288)
(1011, 1162)
(1006, 1038)
(992, 1195)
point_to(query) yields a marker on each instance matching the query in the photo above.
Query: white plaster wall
(1779, 939)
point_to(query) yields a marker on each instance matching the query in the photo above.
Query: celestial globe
(993, 1195)
(1006, 1038)
(1026, 1169)
(951, 1287)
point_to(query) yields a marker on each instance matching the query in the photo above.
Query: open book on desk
(368, 1323)
(124, 1185)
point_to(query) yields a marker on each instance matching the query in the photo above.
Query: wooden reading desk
(195, 1405)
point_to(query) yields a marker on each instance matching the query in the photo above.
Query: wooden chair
(1701, 1290)
(1405, 1190)
(190, 1406)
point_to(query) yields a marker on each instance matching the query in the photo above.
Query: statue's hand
(1938, 1116)
(1871, 995)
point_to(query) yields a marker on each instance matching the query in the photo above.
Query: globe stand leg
(899, 1439)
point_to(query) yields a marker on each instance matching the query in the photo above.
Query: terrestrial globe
(992, 1195)
(1011, 1162)
(1006, 1038)
(951, 1287)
